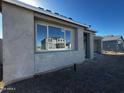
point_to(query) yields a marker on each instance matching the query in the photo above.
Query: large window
(51, 38)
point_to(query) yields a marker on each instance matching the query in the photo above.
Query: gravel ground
(104, 74)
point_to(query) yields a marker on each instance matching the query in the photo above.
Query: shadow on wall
(1, 63)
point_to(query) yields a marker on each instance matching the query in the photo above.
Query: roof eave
(91, 30)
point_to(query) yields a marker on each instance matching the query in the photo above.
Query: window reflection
(41, 35)
(68, 39)
(56, 39)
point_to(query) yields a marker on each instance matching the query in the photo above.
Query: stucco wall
(98, 46)
(18, 45)
(91, 45)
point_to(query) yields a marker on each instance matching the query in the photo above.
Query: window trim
(47, 25)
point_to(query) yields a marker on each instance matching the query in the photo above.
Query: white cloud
(32, 2)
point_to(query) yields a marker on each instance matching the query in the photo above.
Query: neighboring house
(113, 43)
(98, 44)
(37, 41)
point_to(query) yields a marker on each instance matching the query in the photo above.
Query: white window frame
(47, 25)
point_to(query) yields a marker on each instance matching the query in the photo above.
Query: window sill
(54, 51)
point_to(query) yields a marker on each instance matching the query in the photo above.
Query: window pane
(56, 39)
(68, 39)
(55, 32)
(41, 36)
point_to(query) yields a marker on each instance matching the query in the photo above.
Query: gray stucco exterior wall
(19, 58)
(1, 52)
(113, 46)
(18, 45)
(91, 45)
(98, 44)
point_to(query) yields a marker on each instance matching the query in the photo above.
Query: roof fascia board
(90, 30)
(51, 19)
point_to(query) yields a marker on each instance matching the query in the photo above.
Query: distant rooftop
(111, 38)
(98, 37)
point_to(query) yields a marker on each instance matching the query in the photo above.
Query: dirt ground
(104, 74)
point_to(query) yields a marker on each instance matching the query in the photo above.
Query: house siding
(91, 45)
(18, 42)
(113, 46)
(98, 44)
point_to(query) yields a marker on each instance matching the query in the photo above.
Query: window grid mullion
(47, 31)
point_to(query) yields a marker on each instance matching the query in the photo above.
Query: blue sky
(105, 16)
